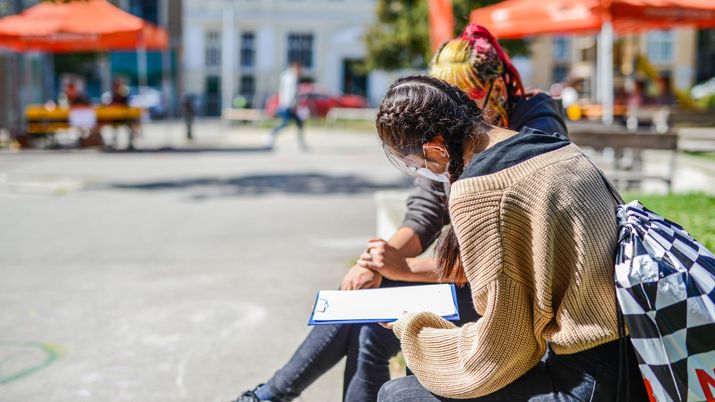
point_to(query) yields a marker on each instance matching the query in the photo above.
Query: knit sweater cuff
(411, 323)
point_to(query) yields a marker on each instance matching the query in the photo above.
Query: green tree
(400, 36)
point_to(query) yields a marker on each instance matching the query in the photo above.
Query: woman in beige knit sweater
(533, 231)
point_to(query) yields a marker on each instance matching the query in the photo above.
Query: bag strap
(622, 343)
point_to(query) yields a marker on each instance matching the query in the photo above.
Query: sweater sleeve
(426, 210)
(479, 358)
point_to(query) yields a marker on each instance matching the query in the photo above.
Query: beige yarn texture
(537, 243)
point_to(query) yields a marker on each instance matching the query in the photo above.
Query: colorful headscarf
(473, 61)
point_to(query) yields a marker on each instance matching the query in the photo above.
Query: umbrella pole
(166, 79)
(142, 65)
(105, 73)
(605, 71)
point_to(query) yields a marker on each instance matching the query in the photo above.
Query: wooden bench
(620, 140)
(665, 118)
(350, 114)
(243, 115)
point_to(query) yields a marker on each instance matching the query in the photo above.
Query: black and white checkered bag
(665, 283)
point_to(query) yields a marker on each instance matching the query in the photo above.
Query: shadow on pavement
(299, 183)
(188, 150)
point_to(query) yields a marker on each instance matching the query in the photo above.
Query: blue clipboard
(312, 321)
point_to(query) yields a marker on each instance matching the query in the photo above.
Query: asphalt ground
(177, 272)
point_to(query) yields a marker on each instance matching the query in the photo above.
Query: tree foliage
(400, 36)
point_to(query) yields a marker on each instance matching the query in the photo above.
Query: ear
(435, 144)
(499, 92)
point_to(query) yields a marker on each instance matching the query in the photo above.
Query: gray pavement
(183, 274)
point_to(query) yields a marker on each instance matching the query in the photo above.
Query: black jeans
(368, 348)
(591, 375)
(322, 349)
(286, 115)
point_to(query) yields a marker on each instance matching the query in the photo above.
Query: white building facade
(324, 36)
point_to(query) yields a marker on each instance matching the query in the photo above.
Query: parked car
(318, 100)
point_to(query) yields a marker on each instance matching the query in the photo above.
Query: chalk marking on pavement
(52, 353)
(40, 185)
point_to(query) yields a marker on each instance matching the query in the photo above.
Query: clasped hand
(383, 258)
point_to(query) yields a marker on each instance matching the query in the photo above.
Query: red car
(319, 100)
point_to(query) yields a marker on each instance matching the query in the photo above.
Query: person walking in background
(288, 105)
(666, 97)
(188, 106)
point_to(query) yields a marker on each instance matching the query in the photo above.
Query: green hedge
(695, 212)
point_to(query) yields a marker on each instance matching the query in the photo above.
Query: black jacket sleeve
(427, 210)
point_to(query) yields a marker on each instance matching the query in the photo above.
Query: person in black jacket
(478, 65)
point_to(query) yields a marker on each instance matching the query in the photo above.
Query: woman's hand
(383, 258)
(387, 325)
(361, 278)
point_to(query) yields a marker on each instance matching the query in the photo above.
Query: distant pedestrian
(120, 93)
(189, 109)
(288, 105)
(665, 97)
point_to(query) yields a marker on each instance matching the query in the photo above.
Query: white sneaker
(269, 143)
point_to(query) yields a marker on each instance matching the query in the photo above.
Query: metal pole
(605, 71)
(142, 64)
(227, 54)
(166, 92)
(17, 78)
(105, 73)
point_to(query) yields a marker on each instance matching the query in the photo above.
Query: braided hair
(417, 109)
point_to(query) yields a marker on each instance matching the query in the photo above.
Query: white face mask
(442, 177)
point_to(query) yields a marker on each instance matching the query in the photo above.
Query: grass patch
(703, 155)
(695, 212)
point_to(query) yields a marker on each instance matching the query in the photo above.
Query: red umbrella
(520, 18)
(79, 26)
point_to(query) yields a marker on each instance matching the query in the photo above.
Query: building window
(300, 49)
(559, 72)
(248, 49)
(660, 46)
(213, 48)
(248, 88)
(562, 48)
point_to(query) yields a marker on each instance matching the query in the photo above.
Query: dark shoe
(249, 396)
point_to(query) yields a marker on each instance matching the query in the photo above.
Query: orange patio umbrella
(93, 25)
(520, 18)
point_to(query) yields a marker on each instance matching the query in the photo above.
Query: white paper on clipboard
(384, 304)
